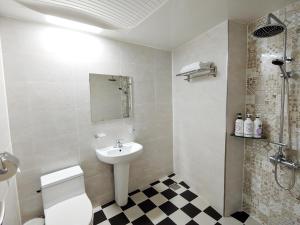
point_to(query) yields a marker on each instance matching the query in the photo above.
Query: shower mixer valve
(277, 158)
(281, 159)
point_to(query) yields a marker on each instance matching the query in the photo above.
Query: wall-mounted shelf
(262, 138)
(206, 71)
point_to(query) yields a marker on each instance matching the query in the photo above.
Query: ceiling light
(73, 25)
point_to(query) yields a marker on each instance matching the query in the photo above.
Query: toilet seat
(74, 211)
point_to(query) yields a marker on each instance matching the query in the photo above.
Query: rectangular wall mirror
(111, 97)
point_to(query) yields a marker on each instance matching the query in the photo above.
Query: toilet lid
(75, 211)
(35, 221)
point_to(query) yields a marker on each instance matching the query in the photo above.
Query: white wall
(199, 115)
(204, 113)
(47, 77)
(12, 214)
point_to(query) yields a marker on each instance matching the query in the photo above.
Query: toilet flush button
(36, 221)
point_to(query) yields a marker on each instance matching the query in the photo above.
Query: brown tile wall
(261, 195)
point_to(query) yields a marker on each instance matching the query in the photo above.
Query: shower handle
(279, 144)
(282, 160)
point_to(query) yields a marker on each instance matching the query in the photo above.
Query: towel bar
(212, 71)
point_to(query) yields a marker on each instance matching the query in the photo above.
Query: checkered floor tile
(165, 203)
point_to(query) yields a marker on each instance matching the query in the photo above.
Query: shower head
(278, 62)
(268, 30)
(271, 29)
(112, 79)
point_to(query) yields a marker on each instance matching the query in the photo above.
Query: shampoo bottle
(248, 126)
(257, 127)
(239, 125)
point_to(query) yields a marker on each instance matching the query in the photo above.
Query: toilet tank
(62, 185)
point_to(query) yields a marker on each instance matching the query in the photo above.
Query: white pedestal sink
(120, 157)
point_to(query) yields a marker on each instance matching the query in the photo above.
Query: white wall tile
(12, 213)
(49, 102)
(199, 111)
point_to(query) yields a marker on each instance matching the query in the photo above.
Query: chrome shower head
(112, 79)
(280, 63)
(277, 62)
(271, 29)
(268, 30)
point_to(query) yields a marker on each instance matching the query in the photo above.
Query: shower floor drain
(174, 186)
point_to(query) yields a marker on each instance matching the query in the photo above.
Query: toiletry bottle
(257, 127)
(239, 125)
(248, 126)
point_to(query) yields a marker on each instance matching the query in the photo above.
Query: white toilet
(64, 198)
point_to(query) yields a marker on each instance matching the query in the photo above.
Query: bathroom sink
(126, 153)
(120, 156)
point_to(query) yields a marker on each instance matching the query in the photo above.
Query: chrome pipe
(272, 16)
(282, 104)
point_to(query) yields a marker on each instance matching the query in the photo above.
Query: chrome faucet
(118, 143)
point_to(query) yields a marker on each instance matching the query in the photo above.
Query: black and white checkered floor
(163, 204)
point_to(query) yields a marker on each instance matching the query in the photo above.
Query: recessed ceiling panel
(109, 14)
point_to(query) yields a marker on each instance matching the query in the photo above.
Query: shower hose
(292, 180)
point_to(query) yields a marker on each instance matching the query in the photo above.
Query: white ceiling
(175, 22)
(108, 14)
